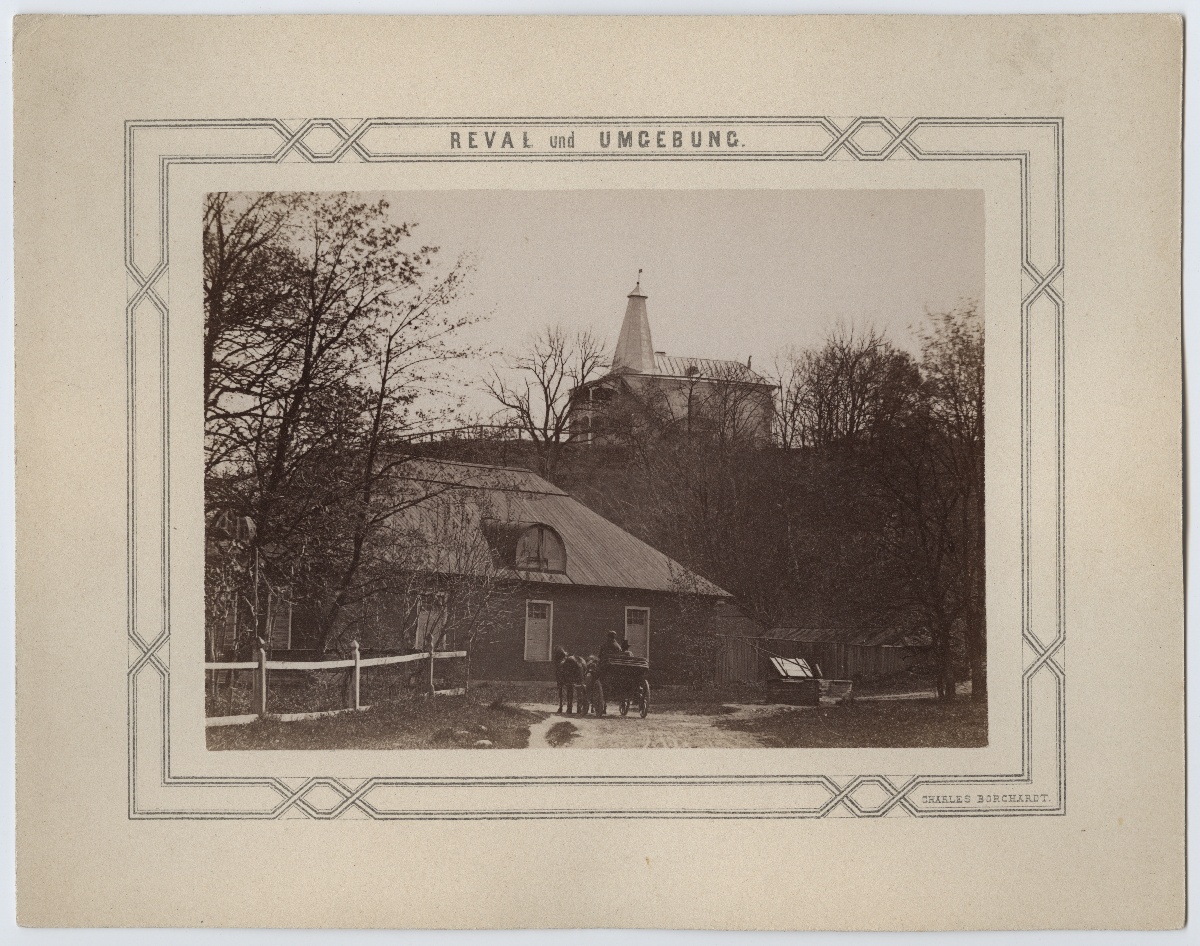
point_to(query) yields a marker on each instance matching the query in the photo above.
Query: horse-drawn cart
(622, 679)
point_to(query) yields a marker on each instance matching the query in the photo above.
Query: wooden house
(675, 394)
(561, 574)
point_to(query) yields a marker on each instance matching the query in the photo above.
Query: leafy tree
(327, 327)
(249, 281)
(953, 367)
(930, 469)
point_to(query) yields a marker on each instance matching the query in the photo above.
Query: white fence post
(357, 671)
(260, 665)
(262, 678)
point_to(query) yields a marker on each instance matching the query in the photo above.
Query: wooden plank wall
(738, 661)
(744, 659)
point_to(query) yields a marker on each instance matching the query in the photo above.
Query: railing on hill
(466, 432)
(357, 663)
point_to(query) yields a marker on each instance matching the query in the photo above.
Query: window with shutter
(431, 622)
(229, 635)
(279, 622)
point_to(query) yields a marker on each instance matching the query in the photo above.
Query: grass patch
(561, 733)
(453, 722)
(898, 683)
(530, 691)
(882, 724)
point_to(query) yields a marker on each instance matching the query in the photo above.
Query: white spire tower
(635, 350)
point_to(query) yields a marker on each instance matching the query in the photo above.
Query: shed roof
(599, 553)
(844, 635)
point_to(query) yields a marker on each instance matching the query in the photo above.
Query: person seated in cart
(609, 649)
(625, 651)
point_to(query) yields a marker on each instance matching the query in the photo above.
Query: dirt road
(662, 729)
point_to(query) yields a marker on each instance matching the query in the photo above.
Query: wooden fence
(744, 659)
(357, 663)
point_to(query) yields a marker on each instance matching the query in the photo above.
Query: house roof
(599, 553)
(635, 352)
(475, 476)
(679, 366)
(731, 622)
(720, 369)
(843, 635)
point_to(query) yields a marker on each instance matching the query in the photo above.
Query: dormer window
(226, 526)
(526, 546)
(540, 548)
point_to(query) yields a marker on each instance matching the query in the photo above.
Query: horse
(592, 688)
(570, 673)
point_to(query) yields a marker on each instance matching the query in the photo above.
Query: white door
(539, 621)
(637, 631)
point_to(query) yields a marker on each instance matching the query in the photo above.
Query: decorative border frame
(1034, 144)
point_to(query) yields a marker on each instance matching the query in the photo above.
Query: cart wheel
(645, 698)
(624, 707)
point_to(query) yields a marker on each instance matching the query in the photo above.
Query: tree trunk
(978, 677)
(945, 666)
(548, 460)
(976, 639)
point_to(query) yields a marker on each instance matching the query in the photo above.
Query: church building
(672, 394)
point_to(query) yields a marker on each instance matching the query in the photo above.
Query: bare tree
(733, 408)
(705, 494)
(789, 377)
(842, 392)
(438, 584)
(535, 394)
(692, 641)
(451, 574)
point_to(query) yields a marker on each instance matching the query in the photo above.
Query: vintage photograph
(594, 469)
(455, 453)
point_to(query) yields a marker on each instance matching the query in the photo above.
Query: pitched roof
(720, 369)
(475, 476)
(844, 635)
(599, 553)
(635, 351)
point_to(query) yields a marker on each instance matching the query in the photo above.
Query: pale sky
(728, 274)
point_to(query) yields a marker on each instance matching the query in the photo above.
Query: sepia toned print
(845, 204)
(457, 496)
